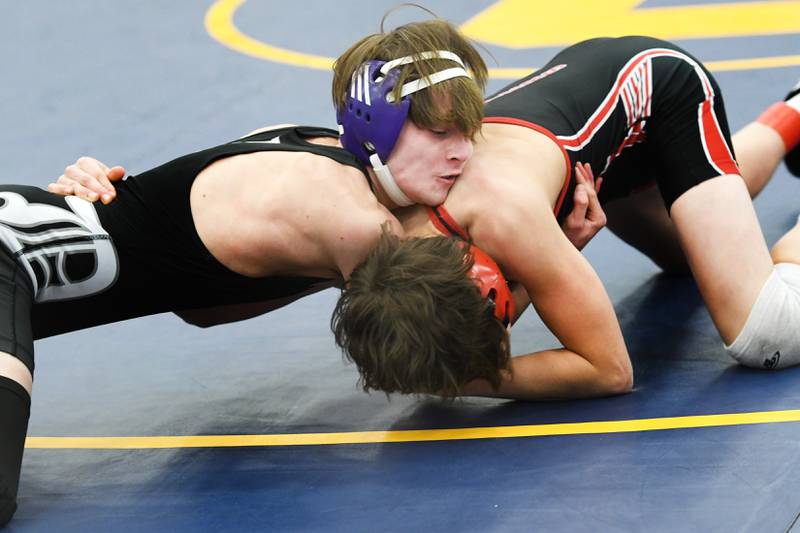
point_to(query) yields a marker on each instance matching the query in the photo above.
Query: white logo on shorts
(48, 238)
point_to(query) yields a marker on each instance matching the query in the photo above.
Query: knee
(770, 338)
(787, 249)
(16, 369)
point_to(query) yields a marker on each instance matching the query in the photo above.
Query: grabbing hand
(89, 179)
(587, 216)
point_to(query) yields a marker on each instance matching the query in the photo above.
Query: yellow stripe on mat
(219, 24)
(420, 435)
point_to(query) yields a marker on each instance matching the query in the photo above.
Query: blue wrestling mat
(154, 425)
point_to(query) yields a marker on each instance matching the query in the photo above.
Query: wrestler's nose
(460, 149)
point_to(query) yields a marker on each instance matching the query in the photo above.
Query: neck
(379, 192)
(376, 186)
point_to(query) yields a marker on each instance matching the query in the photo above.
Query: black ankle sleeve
(15, 407)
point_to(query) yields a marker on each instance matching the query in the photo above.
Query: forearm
(555, 375)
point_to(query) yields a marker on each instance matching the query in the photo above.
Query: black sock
(15, 408)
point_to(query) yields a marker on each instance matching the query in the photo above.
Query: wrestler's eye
(438, 131)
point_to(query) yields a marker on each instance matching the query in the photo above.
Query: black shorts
(637, 109)
(16, 295)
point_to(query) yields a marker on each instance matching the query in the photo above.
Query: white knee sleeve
(771, 336)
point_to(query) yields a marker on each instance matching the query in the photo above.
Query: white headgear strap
(382, 172)
(436, 77)
(388, 182)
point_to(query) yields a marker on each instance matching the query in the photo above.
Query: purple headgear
(370, 121)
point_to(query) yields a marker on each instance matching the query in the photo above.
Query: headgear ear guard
(370, 120)
(492, 284)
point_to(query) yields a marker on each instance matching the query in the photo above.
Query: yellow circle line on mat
(219, 24)
(415, 435)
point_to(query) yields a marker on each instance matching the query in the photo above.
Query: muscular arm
(566, 292)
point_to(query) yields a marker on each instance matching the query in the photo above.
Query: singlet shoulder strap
(445, 223)
(295, 138)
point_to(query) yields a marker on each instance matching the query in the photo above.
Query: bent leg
(713, 215)
(16, 378)
(642, 221)
(721, 237)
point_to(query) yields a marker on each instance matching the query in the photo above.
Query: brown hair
(414, 322)
(463, 96)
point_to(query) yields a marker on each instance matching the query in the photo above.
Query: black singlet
(140, 255)
(637, 109)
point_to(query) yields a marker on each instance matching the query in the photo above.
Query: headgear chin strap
(493, 286)
(388, 182)
(370, 120)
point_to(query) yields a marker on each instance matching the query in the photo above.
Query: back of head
(457, 101)
(414, 322)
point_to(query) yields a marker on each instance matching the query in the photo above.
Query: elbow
(618, 379)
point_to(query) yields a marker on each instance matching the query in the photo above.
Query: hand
(89, 179)
(587, 216)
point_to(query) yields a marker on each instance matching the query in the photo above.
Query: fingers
(87, 194)
(107, 175)
(577, 216)
(90, 179)
(115, 173)
(594, 212)
(93, 174)
(58, 188)
(580, 174)
(588, 173)
(585, 175)
(66, 187)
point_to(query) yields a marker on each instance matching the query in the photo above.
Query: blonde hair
(457, 101)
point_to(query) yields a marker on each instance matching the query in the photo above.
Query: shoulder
(505, 197)
(356, 232)
(517, 227)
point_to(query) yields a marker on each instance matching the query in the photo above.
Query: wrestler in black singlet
(91, 264)
(637, 109)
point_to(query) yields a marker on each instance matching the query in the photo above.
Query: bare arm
(92, 180)
(581, 225)
(571, 301)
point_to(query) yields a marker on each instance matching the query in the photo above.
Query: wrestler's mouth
(450, 177)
